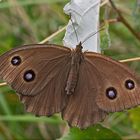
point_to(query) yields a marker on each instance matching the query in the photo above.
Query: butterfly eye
(16, 60)
(111, 93)
(129, 84)
(29, 76)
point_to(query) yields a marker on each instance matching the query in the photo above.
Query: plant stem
(124, 21)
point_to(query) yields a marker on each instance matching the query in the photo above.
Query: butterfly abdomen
(73, 74)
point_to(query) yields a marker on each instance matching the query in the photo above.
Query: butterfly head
(79, 48)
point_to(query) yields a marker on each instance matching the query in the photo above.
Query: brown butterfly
(83, 86)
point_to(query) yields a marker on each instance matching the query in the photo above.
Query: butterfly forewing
(119, 86)
(39, 78)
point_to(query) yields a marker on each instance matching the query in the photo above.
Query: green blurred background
(30, 21)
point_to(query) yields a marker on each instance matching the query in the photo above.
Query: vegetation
(30, 21)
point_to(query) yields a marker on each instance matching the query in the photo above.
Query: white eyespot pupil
(28, 76)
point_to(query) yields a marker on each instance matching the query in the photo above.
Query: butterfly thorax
(76, 57)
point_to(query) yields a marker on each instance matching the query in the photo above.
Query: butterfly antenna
(92, 34)
(74, 29)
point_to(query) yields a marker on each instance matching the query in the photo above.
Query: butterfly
(83, 86)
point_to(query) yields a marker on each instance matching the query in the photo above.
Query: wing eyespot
(111, 93)
(16, 60)
(129, 84)
(29, 76)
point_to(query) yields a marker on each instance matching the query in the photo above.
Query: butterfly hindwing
(51, 98)
(82, 110)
